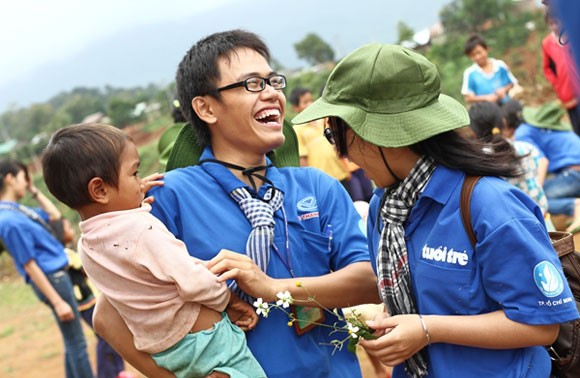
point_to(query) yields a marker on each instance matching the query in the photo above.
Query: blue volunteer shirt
(26, 239)
(195, 206)
(561, 148)
(508, 271)
(478, 82)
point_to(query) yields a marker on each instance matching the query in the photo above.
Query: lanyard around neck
(249, 172)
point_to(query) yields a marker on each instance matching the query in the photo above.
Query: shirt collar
(442, 184)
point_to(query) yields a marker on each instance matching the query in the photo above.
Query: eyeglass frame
(264, 80)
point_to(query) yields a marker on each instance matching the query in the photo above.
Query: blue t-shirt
(26, 239)
(507, 271)
(478, 82)
(195, 206)
(561, 148)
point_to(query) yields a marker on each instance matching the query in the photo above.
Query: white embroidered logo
(307, 204)
(548, 279)
(442, 254)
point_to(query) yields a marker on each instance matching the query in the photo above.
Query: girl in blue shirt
(451, 310)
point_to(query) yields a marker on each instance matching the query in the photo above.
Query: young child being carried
(170, 301)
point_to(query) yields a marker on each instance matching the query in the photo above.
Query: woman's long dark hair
(453, 149)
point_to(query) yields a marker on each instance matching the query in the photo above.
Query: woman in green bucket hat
(455, 310)
(559, 149)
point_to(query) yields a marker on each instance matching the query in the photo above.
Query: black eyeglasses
(258, 84)
(329, 135)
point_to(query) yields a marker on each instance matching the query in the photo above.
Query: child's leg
(221, 349)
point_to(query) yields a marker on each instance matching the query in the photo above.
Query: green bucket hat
(389, 96)
(186, 151)
(547, 116)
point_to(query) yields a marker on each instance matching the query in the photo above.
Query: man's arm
(110, 326)
(352, 285)
(45, 203)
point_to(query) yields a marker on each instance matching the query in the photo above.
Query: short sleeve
(523, 274)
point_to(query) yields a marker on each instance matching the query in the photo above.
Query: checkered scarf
(392, 261)
(260, 214)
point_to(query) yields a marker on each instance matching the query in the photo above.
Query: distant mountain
(150, 54)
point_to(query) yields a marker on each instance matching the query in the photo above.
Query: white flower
(284, 299)
(262, 307)
(352, 330)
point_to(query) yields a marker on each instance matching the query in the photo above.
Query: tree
(405, 32)
(314, 50)
(470, 16)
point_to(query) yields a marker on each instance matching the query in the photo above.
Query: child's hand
(241, 313)
(149, 182)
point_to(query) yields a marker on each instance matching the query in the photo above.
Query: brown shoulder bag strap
(465, 205)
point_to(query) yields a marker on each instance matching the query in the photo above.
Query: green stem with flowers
(355, 327)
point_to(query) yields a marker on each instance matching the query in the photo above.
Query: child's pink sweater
(148, 276)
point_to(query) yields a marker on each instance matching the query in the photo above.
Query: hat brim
(531, 117)
(396, 129)
(186, 150)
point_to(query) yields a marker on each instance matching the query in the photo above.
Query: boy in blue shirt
(487, 79)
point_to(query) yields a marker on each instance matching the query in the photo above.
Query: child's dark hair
(512, 113)
(76, 154)
(486, 121)
(11, 167)
(472, 42)
(296, 94)
(452, 149)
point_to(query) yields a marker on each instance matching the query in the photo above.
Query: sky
(50, 46)
(34, 32)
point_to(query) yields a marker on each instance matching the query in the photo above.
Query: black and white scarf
(392, 261)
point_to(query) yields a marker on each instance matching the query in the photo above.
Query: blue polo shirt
(478, 82)
(561, 148)
(26, 239)
(195, 206)
(513, 254)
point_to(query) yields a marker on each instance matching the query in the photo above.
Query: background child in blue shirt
(487, 79)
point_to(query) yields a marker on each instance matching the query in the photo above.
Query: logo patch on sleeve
(548, 279)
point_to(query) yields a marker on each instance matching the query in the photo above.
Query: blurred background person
(559, 148)
(488, 125)
(40, 258)
(560, 70)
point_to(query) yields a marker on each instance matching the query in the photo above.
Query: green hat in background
(547, 116)
(186, 151)
(167, 140)
(389, 96)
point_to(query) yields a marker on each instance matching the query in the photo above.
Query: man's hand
(228, 265)
(241, 313)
